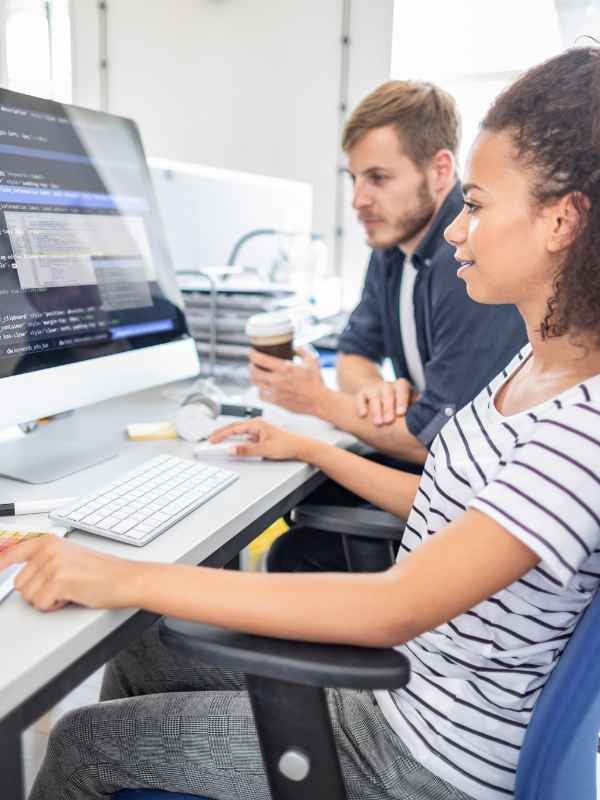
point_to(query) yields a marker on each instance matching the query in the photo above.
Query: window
(37, 47)
(474, 49)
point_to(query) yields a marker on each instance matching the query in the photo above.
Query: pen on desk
(33, 506)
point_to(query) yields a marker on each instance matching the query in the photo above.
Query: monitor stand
(50, 453)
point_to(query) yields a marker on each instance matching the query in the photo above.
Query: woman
(500, 555)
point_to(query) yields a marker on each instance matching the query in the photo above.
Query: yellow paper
(145, 431)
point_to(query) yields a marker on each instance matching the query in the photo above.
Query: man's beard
(419, 217)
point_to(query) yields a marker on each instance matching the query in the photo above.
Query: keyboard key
(146, 527)
(183, 502)
(157, 518)
(93, 519)
(107, 523)
(136, 533)
(123, 526)
(131, 511)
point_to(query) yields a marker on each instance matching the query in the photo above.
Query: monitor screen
(84, 269)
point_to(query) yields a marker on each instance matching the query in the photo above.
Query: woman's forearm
(321, 607)
(469, 560)
(387, 488)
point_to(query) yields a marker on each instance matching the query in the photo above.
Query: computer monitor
(89, 305)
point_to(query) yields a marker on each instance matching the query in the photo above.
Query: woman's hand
(57, 572)
(264, 440)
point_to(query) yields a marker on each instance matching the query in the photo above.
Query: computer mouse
(206, 450)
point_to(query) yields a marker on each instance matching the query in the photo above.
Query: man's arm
(354, 371)
(299, 388)
(382, 400)
(394, 439)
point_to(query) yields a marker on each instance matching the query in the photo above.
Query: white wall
(251, 85)
(370, 63)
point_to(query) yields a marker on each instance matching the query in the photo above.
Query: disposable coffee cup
(272, 333)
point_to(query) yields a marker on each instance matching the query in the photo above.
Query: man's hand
(292, 386)
(264, 440)
(57, 572)
(383, 401)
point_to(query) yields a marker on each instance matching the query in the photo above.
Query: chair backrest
(558, 757)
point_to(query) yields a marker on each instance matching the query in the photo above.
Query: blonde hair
(425, 118)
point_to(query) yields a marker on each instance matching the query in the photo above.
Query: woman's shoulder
(513, 365)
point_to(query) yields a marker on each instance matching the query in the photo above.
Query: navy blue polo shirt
(462, 344)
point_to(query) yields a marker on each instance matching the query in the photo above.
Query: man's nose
(361, 196)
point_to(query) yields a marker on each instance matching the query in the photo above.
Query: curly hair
(552, 114)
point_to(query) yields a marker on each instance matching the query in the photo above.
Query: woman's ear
(566, 218)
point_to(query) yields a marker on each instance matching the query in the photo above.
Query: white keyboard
(141, 504)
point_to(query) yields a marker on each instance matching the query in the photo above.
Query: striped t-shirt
(476, 678)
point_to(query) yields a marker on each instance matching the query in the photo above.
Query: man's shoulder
(382, 263)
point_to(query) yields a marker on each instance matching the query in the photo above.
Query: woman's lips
(463, 266)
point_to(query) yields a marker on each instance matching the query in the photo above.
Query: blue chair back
(558, 757)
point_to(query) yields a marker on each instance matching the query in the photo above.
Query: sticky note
(145, 431)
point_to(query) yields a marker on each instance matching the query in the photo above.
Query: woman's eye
(472, 208)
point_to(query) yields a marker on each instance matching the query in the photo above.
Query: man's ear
(441, 171)
(566, 218)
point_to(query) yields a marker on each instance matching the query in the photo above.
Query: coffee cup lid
(271, 323)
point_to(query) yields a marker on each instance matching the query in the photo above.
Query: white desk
(44, 656)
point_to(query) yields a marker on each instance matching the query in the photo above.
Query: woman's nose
(456, 232)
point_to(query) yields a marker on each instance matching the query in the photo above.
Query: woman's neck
(556, 364)
(563, 356)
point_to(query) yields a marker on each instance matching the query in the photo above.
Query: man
(401, 144)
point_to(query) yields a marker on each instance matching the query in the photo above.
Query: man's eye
(472, 208)
(378, 178)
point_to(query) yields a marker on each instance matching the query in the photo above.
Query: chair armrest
(322, 665)
(369, 522)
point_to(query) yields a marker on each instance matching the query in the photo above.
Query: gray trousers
(169, 723)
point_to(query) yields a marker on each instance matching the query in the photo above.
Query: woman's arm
(451, 572)
(385, 487)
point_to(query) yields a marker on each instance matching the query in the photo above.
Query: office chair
(286, 682)
(362, 529)
(558, 757)
(370, 537)
(285, 676)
